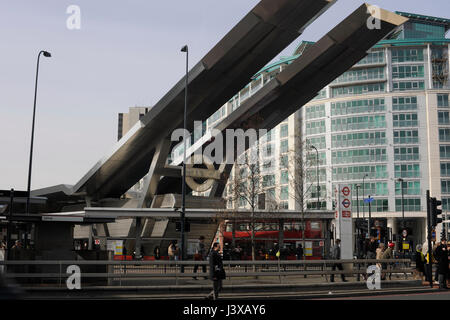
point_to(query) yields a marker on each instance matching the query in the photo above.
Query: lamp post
(48, 55)
(403, 203)
(403, 210)
(364, 206)
(183, 188)
(317, 173)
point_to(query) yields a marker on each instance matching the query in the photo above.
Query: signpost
(344, 221)
(369, 200)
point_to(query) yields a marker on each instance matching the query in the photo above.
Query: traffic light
(187, 226)
(435, 211)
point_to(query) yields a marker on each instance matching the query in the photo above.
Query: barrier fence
(103, 272)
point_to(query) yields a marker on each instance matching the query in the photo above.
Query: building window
(407, 55)
(361, 75)
(284, 178)
(404, 103)
(405, 120)
(406, 136)
(409, 204)
(406, 154)
(284, 146)
(358, 139)
(442, 100)
(314, 127)
(443, 117)
(409, 188)
(284, 193)
(358, 123)
(357, 106)
(407, 170)
(313, 112)
(408, 85)
(269, 180)
(444, 151)
(283, 131)
(359, 155)
(358, 89)
(413, 71)
(445, 169)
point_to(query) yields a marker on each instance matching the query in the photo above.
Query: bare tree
(301, 166)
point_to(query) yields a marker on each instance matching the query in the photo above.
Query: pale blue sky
(127, 53)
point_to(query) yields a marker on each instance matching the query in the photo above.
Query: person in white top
(2, 255)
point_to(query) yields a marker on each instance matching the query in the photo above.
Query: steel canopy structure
(267, 29)
(228, 67)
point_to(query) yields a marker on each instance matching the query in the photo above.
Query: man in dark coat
(442, 263)
(216, 272)
(200, 255)
(336, 255)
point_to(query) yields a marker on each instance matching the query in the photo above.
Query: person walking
(2, 256)
(216, 271)
(157, 253)
(387, 254)
(442, 263)
(299, 252)
(420, 263)
(200, 255)
(172, 251)
(379, 254)
(336, 255)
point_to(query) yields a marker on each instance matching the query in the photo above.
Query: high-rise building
(127, 120)
(385, 119)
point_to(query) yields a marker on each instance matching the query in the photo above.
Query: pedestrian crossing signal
(435, 211)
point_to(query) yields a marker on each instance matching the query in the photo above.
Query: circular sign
(346, 191)
(346, 203)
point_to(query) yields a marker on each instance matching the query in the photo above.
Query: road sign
(346, 203)
(346, 191)
(368, 200)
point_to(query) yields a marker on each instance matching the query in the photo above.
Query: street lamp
(403, 203)
(183, 188)
(317, 173)
(48, 55)
(364, 205)
(403, 209)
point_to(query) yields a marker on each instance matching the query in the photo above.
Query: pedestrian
(379, 254)
(216, 271)
(157, 253)
(200, 255)
(2, 256)
(172, 251)
(387, 254)
(336, 255)
(299, 252)
(371, 248)
(420, 263)
(442, 263)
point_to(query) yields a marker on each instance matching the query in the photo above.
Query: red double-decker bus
(267, 239)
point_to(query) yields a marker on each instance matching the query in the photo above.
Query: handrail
(192, 263)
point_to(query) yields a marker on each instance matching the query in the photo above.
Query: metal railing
(114, 272)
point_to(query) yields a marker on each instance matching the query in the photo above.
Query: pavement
(292, 287)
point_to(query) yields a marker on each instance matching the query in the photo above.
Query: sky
(125, 54)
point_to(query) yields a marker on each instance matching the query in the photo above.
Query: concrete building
(127, 120)
(388, 117)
